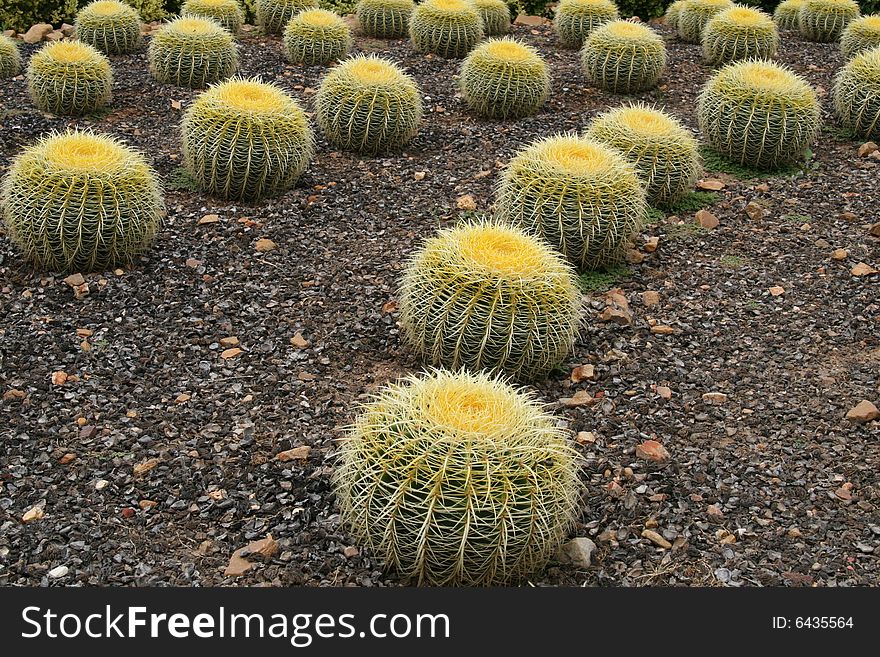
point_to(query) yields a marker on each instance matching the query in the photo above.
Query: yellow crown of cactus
(192, 52)
(384, 19)
(580, 195)
(856, 94)
(77, 201)
(245, 139)
(495, 15)
(825, 20)
(10, 58)
(860, 35)
(787, 14)
(316, 36)
(576, 19)
(739, 33)
(673, 11)
(273, 15)
(623, 57)
(110, 26)
(226, 12)
(449, 28)
(758, 113)
(693, 16)
(458, 479)
(70, 78)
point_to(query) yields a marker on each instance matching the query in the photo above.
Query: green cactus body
(244, 139)
(110, 26)
(77, 201)
(825, 20)
(504, 78)
(69, 78)
(226, 12)
(384, 19)
(576, 19)
(759, 114)
(580, 195)
(458, 479)
(860, 35)
(449, 28)
(787, 14)
(739, 33)
(665, 154)
(693, 16)
(673, 11)
(316, 36)
(486, 296)
(495, 15)
(273, 15)
(856, 94)
(192, 52)
(623, 57)
(10, 58)
(368, 105)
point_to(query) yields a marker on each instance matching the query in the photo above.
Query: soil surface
(156, 459)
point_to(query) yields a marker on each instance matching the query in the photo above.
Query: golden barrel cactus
(192, 52)
(739, 33)
(273, 15)
(576, 19)
(825, 20)
(623, 57)
(673, 11)
(856, 94)
(226, 12)
(384, 19)
(860, 35)
(69, 77)
(693, 16)
(10, 57)
(449, 28)
(787, 14)
(316, 36)
(495, 15)
(110, 26)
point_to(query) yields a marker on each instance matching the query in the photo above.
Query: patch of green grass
(596, 282)
(181, 180)
(797, 218)
(733, 261)
(655, 216)
(692, 202)
(684, 231)
(715, 161)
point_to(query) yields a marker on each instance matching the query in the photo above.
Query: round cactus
(665, 154)
(758, 113)
(580, 195)
(316, 36)
(110, 26)
(693, 16)
(739, 33)
(69, 77)
(787, 14)
(495, 15)
(244, 139)
(486, 296)
(825, 20)
(192, 52)
(449, 28)
(673, 11)
(77, 201)
(575, 19)
(273, 15)
(10, 58)
(226, 12)
(384, 19)
(458, 479)
(623, 57)
(368, 105)
(504, 78)
(856, 94)
(860, 35)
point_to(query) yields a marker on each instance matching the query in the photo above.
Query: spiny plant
(580, 195)
(758, 113)
(664, 153)
(69, 77)
(273, 15)
(487, 296)
(495, 15)
(316, 36)
(739, 33)
(10, 57)
(449, 28)
(110, 26)
(192, 52)
(76, 201)
(825, 20)
(384, 19)
(856, 94)
(673, 11)
(369, 105)
(504, 78)
(860, 35)
(226, 12)
(245, 139)
(458, 479)
(787, 14)
(693, 16)
(575, 19)
(623, 57)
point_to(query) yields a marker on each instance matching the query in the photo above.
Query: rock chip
(867, 148)
(714, 398)
(862, 269)
(300, 453)
(651, 450)
(863, 412)
(656, 538)
(583, 373)
(706, 219)
(37, 33)
(578, 552)
(754, 211)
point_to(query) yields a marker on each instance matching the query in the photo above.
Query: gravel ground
(156, 459)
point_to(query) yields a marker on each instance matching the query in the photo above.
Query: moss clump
(316, 36)
(739, 33)
(226, 12)
(192, 52)
(384, 19)
(825, 20)
(10, 58)
(623, 57)
(787, 14)
(856, 94)
(576, 19)
(495, 15)
(69, 77)
(693, 16)
(449, 28)
(110, 26)
(273, 15)
(860, 35)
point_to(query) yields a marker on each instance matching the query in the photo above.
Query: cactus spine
(384, 19)
(316, 36)
(110, 26)
(495, 15)
(694, 15)
(856, 94)
(576, 19)
(449, 28)
(739, 33)
(623, 57)
(673, 11)
(69, 77)
(825, 20)
(226, 12)
(787, 14)
(192, 52)
(860, 35)
(273, 15)
(10, 58)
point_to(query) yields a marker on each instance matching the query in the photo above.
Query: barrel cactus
(825, 20)
(787, 14)
(449, 28)
(860, 35)
(226, 12)
(694, 15)
(384, 19)
(623, 57)
(458, 479)
(77, 201)
(192, 52)
(758, 113)
(110, 26)
(739, 33)
(673, 11)
(316, 36)
(244, 139)
(273, 15)
(575, 19)
(504, 78)
(10, 58)
(665, 154)
(856, 94)
(495, 15)
(369, 105)
(69, 77)
(580, 195)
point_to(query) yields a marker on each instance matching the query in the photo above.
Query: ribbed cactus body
(273, 15)
(458, 479)
(69, 78)
(739, 33)
(665, 154)
(384, 19)
(10, 58)
(486, 296)
(449, 28)
(580, 195)
(673, 11)
(693, 16)
(110, 26)
(623, 57)
(856, 94)
(759, 114)
(575, 19)
(503, 78)
(787, 14)
(192, 52)
(76, 201)
(825, 20)
(368, 105)
(244, 139)
(860, 35)
(316, 36)
(495, 15)
(226, 12)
